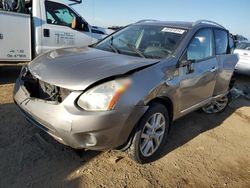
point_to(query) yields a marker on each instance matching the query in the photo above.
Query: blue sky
(234, 15)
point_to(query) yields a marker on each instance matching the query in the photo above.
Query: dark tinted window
(201, 46)
(221, 41)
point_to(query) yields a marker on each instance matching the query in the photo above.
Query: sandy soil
(202, 151)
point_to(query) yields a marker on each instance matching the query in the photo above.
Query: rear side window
(221, 41)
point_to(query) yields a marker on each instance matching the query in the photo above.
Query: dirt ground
(202, 151)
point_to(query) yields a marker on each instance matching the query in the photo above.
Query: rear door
(226, 60)
(198, 80)
(57, 31)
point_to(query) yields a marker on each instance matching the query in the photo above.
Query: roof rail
(75, 2)
(207, 22)
(146, 20)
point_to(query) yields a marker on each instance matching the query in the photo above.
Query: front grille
(43, 90)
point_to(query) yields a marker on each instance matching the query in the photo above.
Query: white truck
(47, 25)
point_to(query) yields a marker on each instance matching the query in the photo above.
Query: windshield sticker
(173, 30)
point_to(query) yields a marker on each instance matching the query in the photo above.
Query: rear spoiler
(75, 2)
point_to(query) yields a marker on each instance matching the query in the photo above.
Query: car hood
(78, 68)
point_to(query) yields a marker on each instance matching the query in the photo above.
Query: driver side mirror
(185, 63)
(188, 64)
(77, 24)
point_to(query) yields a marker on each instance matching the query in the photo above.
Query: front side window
(149, 41)
(221, 41)
(201, 46)
(59, 14)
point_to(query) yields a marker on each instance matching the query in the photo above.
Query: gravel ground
(202, 151)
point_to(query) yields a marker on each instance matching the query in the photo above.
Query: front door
(57, 31)
(197, 80)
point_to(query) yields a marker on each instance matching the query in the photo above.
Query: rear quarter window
(221, 41)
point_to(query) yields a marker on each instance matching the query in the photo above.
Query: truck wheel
(218, 105)
(150, 135)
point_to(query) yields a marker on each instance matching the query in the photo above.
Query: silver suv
(125, 91)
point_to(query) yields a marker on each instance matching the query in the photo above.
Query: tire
(232, 82)
(147, 134)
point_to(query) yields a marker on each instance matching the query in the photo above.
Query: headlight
(103, 97)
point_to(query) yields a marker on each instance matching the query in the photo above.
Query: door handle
(46, 33)
(213, 69)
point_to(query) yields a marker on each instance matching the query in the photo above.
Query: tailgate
(15, 36)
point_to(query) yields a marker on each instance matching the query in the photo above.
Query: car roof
(186, 25)
(180, 24)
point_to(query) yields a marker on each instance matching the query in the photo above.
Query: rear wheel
(150, 135)
(217, 105)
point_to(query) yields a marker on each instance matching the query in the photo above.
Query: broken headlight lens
(103, 97)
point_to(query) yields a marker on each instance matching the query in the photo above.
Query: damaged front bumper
(74, 127)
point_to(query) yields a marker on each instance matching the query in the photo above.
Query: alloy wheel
(152, 134)
(216, 106)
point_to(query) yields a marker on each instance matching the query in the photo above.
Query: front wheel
(217, 105)
(150, 135)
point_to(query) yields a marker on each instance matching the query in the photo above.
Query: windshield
(243, 46)
(148, 41)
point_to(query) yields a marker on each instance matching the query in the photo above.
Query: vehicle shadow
(9, 75)
(31, 158)
(185, 129)
(189, 127)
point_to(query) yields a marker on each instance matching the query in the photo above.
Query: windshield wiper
(132, 47)
(112, 46)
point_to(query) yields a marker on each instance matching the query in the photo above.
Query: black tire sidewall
(154, 108)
